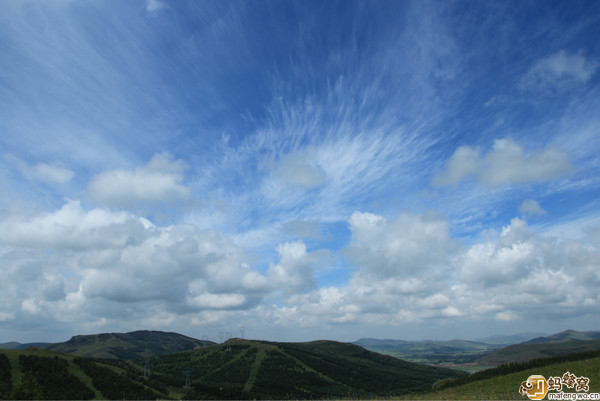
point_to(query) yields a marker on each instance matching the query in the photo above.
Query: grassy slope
(507, 386)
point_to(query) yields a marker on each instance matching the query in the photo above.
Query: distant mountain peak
(567, 335)
(132, 345)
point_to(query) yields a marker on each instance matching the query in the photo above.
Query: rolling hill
(566, 335)
(48, 375)
(16, 345)
(429, 351)
(510, 339)
(562, 343)
(258, 369)
(504, 382)
(477, 355)
(237, 369)
(127, 346)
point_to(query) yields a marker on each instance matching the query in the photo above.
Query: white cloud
(530, 207)
(516, 274)
(30, 306)
(407, 246)
(55, 173)
(521, 273)
(296, 268)
(506, 163)
(464, 162)
(300, 170)
(110, 268)
(217, 301)
(154, 5)
(52, 173)
(156, 182)
(5, 317)
(409, 270)
(497, 263)
(506, 316)
(71, 227)
(558, 70)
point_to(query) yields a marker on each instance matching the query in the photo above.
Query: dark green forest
(49, 379)
(236, 369)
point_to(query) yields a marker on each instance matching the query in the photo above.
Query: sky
(303, 169)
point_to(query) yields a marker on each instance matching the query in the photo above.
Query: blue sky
(390, 169)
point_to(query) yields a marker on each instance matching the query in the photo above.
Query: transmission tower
(221, 334)
(242, 332)
(228, 336)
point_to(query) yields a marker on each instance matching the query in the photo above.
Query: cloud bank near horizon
(377, 174)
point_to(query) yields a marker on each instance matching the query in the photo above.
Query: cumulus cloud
(512, 275)
(530, 207)
(179, 265)
(156, 182)
(505, 163)
(295, 271)
(71, 227)
(409, 269)
(102, 266)
(402, 269)
(464, 162)
(520, 273)
(503, 262)
(408, 245)
(300, 171)
(559, 69)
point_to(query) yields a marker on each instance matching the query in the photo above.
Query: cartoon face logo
(535, 387)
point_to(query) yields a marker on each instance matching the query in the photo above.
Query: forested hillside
(258, 369)
(237, 369)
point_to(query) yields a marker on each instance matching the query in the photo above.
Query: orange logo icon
(535, 387)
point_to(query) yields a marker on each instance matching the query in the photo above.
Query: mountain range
(155, 364)
(235, 369)
(476, 355)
